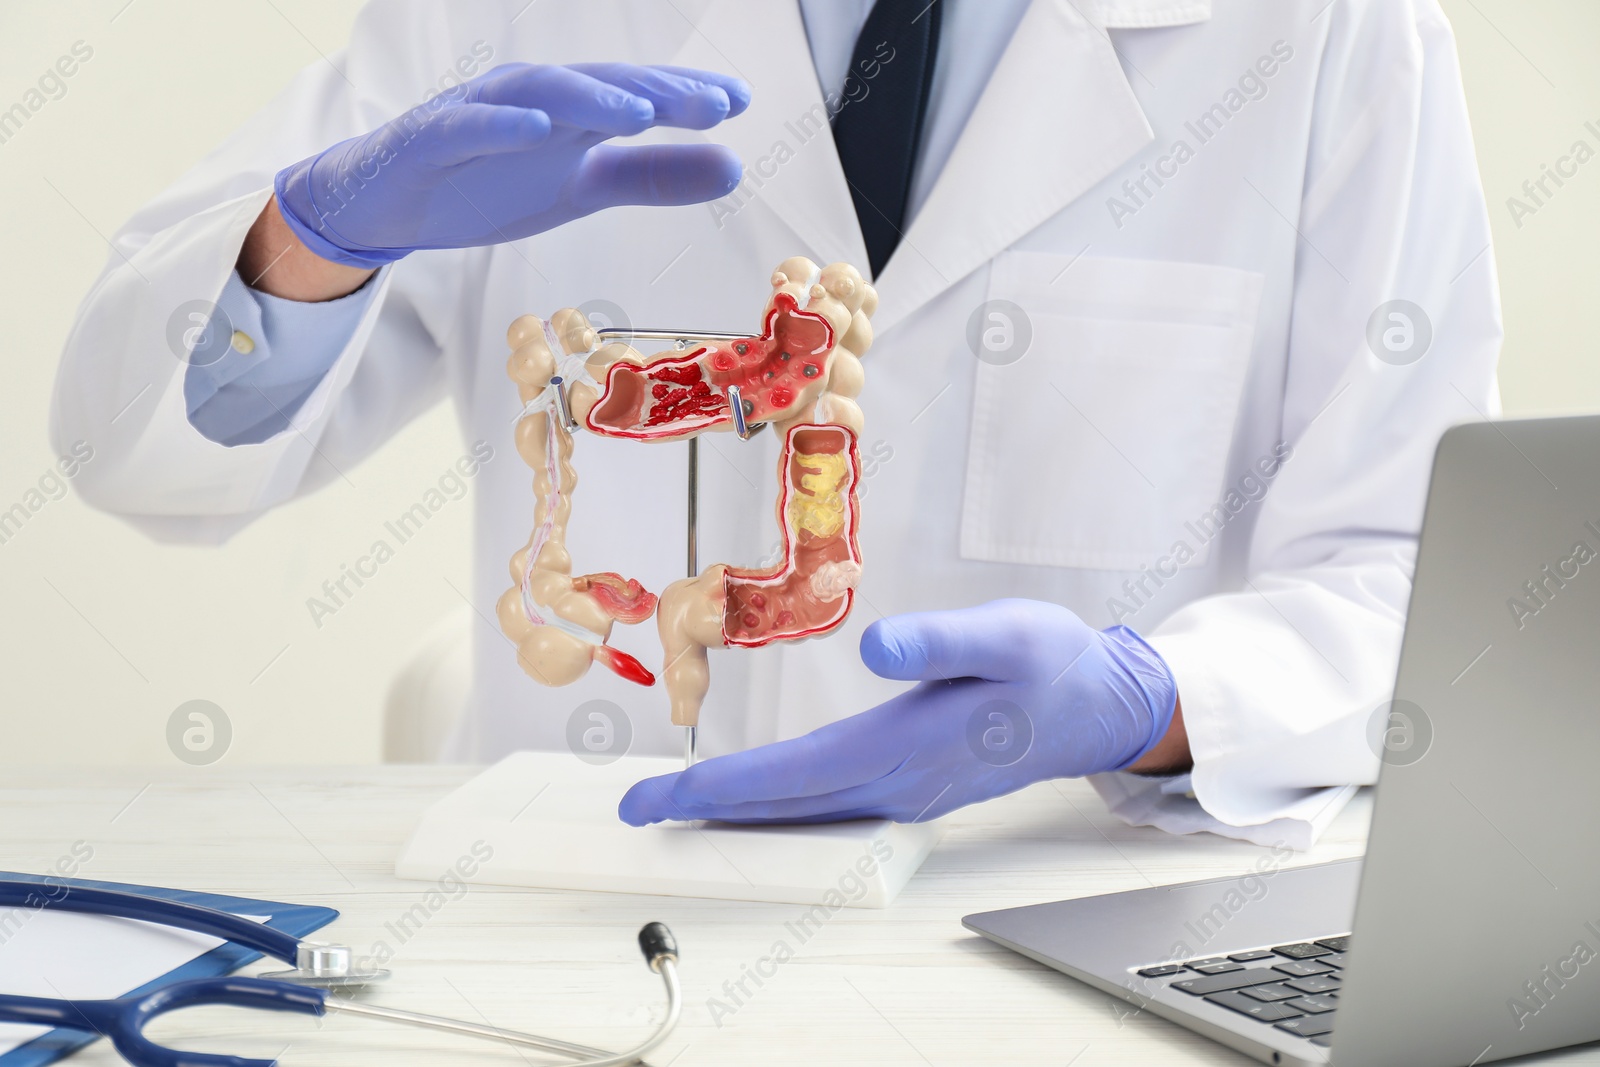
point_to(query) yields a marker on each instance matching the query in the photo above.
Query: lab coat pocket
(1113, 427)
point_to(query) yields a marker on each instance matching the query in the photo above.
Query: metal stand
(691, 734)
(681, 339)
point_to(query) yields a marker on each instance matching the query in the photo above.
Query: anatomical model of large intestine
(801, 375)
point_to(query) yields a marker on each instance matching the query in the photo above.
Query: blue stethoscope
(307, 988)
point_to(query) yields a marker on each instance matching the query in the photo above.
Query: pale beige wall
(94, 671)
(1532, 85)
(104, 634)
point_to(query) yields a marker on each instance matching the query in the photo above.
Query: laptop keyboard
(1294, 988)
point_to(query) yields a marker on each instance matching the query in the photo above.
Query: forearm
(277, 262)
(1171, 754)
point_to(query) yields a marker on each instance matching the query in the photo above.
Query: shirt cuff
(256, 358)
(1170, 804)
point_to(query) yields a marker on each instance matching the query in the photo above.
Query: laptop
(1470, 932)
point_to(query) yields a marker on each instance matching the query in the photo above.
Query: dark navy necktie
(879, 125)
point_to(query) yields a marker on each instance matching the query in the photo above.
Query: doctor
(1176, 298)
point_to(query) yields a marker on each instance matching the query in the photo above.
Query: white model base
(551, 822)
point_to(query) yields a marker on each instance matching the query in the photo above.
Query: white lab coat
(1186, 337)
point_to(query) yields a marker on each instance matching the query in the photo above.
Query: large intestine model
(801, 375)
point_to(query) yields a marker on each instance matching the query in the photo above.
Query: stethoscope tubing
(583, 1055)
(123, 1020)
(192, 917)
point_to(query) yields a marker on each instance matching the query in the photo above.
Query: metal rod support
(613, 333)
(563, 405)
(692, 551)
(692, 510)
(736, 408)
(681, 339)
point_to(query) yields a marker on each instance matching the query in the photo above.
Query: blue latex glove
(515, 151)
(1012, 692)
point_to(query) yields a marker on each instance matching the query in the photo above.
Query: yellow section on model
(819, 510)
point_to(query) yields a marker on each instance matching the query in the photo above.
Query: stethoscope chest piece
(328, 967)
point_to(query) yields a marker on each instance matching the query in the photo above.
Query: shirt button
(243, 343)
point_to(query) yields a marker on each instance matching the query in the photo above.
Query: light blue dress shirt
(239, 399)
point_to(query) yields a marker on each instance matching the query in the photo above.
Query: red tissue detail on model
(679, 402)
(777, 603)
(623, 599)
(623, 665)
(685, 394)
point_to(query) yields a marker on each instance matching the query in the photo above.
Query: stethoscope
(307, 988)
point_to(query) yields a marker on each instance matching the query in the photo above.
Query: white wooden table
(902, 986)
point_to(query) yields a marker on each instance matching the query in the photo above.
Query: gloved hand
(513, 152)
(1012, 692)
